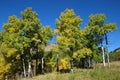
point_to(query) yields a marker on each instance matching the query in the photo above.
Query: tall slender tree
(100, 28)
(109, 28)
(34, 31)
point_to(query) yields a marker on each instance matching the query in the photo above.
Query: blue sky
(49, 10)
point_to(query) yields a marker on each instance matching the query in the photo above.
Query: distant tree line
(23, 42)
(115, 55)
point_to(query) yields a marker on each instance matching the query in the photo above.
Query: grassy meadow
(98, 73)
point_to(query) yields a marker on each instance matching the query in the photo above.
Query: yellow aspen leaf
(63, 64)
(12, 30)
(56, 31)
(11, 52)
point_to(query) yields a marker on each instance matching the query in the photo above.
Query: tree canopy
(23, 41)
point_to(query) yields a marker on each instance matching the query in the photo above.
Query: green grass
(98, 73)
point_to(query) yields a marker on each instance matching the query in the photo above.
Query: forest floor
(98, 73)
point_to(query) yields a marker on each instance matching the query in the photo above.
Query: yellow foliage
(82, 53)
(68, 40)
(67, 31)
(56, 31)
(59, 38)
(18, 56)
(56, 48)
(64, 64)
(12, 30)
(51, 63)
(11, 52)
(4, 68)
(72, 21)
(3, 46)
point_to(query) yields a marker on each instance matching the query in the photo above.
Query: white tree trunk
(29, 65)
(29, 69)
(42, 65)
(71, 63)
(107, 50)
(103, 56)
(107, 56)
(23, 64)
(6, 77)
